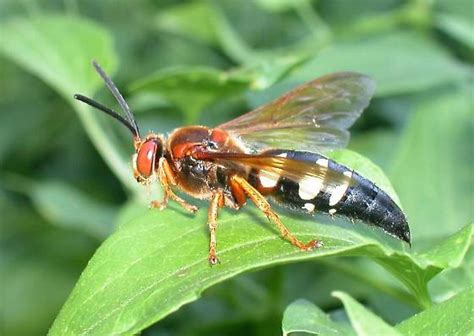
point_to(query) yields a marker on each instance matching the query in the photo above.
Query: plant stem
(313, 21)
(421, 294)
(231, 42)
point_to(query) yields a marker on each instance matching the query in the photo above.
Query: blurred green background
(65, 173)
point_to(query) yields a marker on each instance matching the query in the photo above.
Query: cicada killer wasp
(268, 153)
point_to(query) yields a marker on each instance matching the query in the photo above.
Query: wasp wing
(315, 115)
(280, 166)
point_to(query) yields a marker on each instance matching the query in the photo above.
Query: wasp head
(147, 156)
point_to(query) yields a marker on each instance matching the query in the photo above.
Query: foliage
(69, 203)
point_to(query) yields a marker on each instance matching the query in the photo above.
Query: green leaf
(363, 321)
(277, 5)
(416, 274)
(23, 123)
(33, 290)
(456, 8)
(415, 64)
(59, 50)
(156, 263)
(188, 19)
(271, 68)
(452, 250)
(458, 28)
(65, 206)
(374, 145)
(303, 316)
(451, 317)
(366, 279)
(434, 156)
(193, 88)
(39, 265)
(340, 13)
(453, 281)
(233, 41)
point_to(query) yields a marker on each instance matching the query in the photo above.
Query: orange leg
(217, 201)
(166, 177)
(264, 206)
(238, 193)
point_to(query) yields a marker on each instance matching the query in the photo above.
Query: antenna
(108, 111)
(113, 89)
(129, 120)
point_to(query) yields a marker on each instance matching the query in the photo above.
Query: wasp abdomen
(367, 202)
(337, 191)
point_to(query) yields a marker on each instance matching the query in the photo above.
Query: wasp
(270, 153)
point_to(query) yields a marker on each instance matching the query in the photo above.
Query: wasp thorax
(146, 158)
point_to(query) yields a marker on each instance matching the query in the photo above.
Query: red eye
(146, 158)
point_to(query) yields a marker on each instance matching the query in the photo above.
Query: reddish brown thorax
(184, 141)
(219, 136)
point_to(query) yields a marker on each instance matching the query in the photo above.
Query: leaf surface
(59, 50)
(364, 322)
(304, 316)
(415, 64)
(157, 262)
(65, 206)
(435, 158)
(451, 317)
(192, 88)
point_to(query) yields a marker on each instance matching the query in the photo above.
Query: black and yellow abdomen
(338, 191)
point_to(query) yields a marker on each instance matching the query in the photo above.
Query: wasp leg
(265, 207)
(166, 177)
(238, 193)
(155, 204)
(217, 201)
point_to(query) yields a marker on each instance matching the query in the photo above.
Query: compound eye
(146, 158)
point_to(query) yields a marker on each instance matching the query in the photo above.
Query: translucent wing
(294, 170)
(314, 116)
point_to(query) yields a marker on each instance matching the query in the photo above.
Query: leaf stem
(419, 290)
(232, 44)
(424, 298)
(313, 21)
